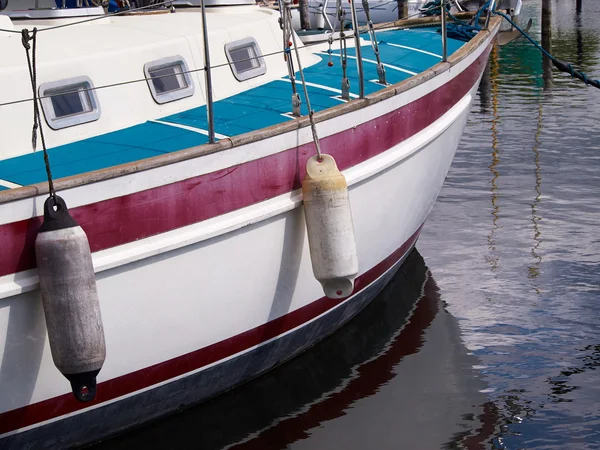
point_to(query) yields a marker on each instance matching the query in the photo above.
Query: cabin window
(69, 102)
(245, 59)
(169, 79)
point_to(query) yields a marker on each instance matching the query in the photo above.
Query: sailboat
(190, 196)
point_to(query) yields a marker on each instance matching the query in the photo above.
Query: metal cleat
(381, 74)
(296, 102)
(345, 89)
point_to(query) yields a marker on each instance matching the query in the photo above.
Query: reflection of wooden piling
(579, 36)
(485, 88)
(534, 267)
(493, 258)
(402, 9)
(547, 42)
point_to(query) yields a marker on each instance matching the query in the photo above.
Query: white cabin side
(114, 50)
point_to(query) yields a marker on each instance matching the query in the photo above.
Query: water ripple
(513, 238)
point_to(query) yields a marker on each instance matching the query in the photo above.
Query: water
(502, 345)
(512, 241)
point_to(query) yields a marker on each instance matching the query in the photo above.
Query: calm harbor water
(489, 336)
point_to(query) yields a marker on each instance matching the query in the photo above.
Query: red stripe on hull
(142, 214)
(149, 376)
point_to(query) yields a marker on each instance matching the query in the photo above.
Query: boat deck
(404, 52)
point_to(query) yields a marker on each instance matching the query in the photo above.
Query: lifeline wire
(37, 121)
(139, 80)
(123, 83)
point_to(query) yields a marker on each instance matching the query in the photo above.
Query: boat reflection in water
(396, 376)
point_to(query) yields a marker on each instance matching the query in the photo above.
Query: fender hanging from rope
(70, 299)
(66, 274)
(327, 212)
(329, 226)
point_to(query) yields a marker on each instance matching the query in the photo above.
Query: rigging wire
(311, 113)
(287, 29)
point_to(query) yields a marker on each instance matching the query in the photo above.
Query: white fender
(70, 299)
(330, 229)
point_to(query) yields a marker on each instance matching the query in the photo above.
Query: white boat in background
(199, 250)
(323, 15)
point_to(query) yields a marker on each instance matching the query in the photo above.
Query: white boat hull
(202, 306)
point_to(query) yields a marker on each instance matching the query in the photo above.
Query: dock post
(579, 6)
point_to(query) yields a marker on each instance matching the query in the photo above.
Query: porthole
(69, 102)
(168, 79)
(245, 59)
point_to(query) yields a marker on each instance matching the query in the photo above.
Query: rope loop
(30, 53)
(25, 38)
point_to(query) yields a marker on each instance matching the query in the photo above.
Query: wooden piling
(304, 17)
(402, 9)
(547, 42)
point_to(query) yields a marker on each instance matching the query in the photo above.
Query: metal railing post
(324, 12)
(359, 64)
(208, 78)
(444, 31)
